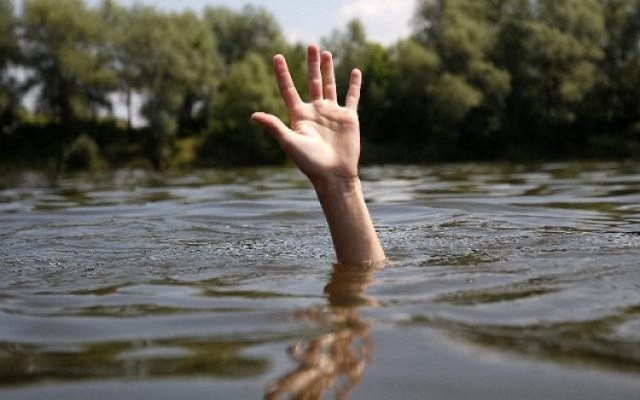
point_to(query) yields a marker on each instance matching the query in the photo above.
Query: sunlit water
(504, 282)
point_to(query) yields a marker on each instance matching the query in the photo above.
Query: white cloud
(384, 20)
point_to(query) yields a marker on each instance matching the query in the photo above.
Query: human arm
(324, 143)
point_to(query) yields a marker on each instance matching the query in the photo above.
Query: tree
(481, 79)
(61, 47)
(171, 59)
(8, 39)
(237, 33)
(552, 50)
(468, 93)
(410, 116)
(612, 111)
(118, 53)
(9, 54)
(233, 138)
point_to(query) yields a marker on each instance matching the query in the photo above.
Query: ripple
(227, 275)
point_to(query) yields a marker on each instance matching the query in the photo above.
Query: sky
(308, 21)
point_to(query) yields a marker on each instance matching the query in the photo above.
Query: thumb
(273, 124)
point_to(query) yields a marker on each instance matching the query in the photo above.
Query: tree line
(476, 80)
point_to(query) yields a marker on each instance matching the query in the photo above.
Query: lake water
(504, 282)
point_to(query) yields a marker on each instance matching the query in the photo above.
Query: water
(504, 281)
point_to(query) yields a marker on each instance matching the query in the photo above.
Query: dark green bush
(82, 154)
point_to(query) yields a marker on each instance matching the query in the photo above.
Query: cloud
(384, 20)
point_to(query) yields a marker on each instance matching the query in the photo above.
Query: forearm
(354, 236)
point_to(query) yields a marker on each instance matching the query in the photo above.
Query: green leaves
(62, 42)
(237, 33)
(233, 138)
(477, 80)
(9, 54)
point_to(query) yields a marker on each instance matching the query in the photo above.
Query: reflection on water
(137, 359)
(217, 284)
(341, 353)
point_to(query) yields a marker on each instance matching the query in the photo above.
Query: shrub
(82, 154)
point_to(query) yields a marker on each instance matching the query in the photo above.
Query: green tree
(476, 79)
(171, 59)
(469, 92)
(9, 54)
(408, 124)
(233, 138)
(612, 111)
(552, 50)
(237, 33)
(62, 40)
(246, 41)
(199, 72)
(119, 53)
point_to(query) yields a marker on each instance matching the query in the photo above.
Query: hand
(324, 138)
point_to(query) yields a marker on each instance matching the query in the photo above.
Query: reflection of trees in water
(337, 357)
(23, 363)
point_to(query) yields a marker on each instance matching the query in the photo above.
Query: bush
(82, 154)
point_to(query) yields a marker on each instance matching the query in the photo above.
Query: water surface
(504, 281)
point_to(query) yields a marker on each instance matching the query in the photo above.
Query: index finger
(285, 83)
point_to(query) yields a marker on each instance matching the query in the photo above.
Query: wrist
(337, 186)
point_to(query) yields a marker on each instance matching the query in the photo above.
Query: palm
(324, 138)
(328, 139)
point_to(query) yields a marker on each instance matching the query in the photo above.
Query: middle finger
(314, 78)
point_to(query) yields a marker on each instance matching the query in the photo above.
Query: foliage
(9, 54)
(482, 79)
(251, 30)
(171, 59)
(60, 42)
(558, 48)
(233, 138)
(82, 154)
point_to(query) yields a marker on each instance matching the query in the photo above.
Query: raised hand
(324, 142)
(324, 138)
